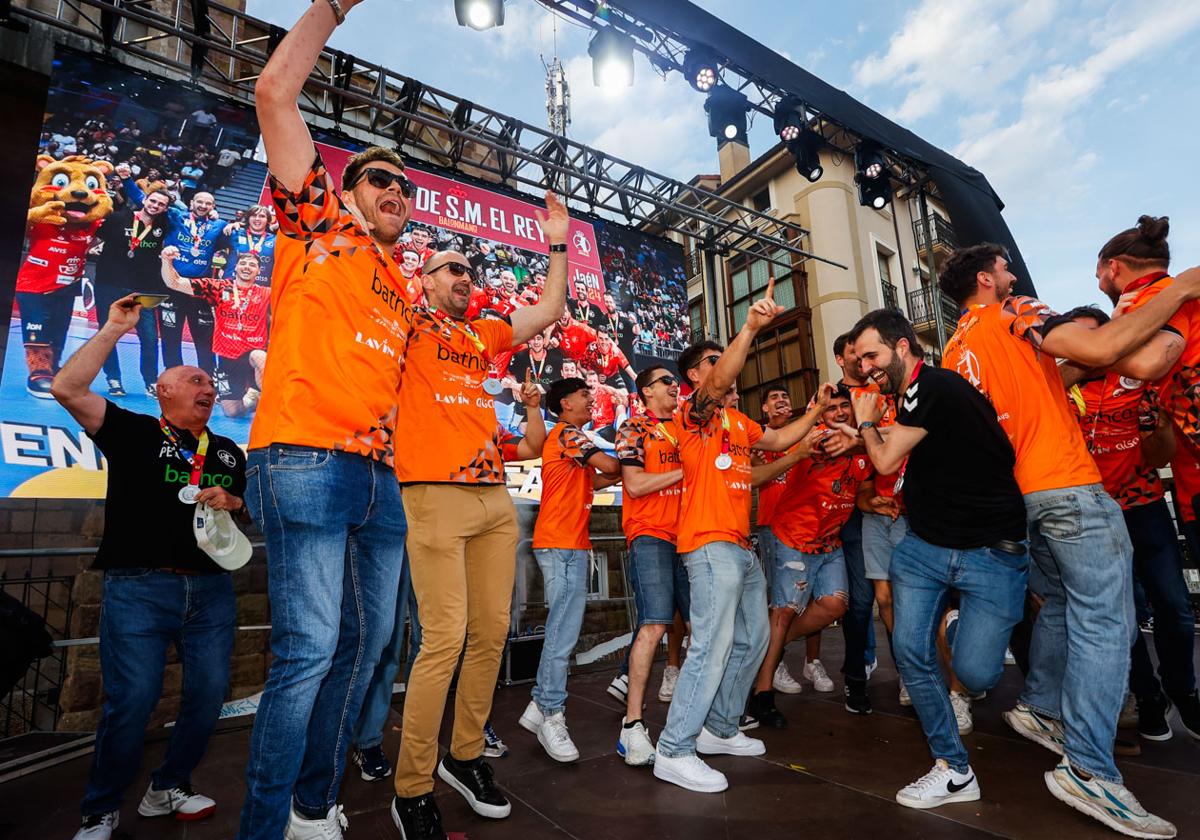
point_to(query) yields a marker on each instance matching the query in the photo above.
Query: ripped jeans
(799, 577)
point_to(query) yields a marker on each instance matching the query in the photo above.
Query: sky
(1082, 114)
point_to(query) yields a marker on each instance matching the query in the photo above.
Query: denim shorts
(799, 576)
(880, 536)
(659, 580)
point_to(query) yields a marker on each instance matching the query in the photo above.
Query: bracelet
(338, 14)
(560, 248)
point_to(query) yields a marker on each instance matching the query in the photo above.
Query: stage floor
(829, 775)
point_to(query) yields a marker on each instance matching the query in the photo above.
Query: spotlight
(479, 14)
(874, 186)
(806, 147)
(700, 69)
(612, 58)
(789, 118)
(726, 109)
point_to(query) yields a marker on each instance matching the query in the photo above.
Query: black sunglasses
(457, 269)
(666, 379)
(381, 179)
(712, 360)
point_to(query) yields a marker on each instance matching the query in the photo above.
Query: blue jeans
(565, 577)
(1158, 565)
(373, 717)
(800, 577)
(334, 527)
(729, 639)
(857, 627)
(880, 536)
(659, 581)
(1079, 654)
(143, 612)
(991, 586)
(147, 333)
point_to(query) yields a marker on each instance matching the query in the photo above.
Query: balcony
(944, 239)
(891, 298)
(693, 263)
(921, 311)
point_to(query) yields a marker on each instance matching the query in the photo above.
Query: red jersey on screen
(604, 408)
(57, 255)
(1115, 411)
(817, 501)
(479, 301)
(646, 442)
(607, 363)
(241, 316)
(567, 491)
(575, 339)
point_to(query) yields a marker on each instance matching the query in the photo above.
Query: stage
(829, 775)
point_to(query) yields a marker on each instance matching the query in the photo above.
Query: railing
(921, 312)
(941, 230)
(891, 298)
(32, 705)
(693, 263)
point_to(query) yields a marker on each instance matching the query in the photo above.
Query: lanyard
(724, 432)
(1145, 280)
(197, 232)
(661, 429)
(537, 372)
(136, 236)
(196, 459)
(241, 304)
(464, 328)
(255, 247)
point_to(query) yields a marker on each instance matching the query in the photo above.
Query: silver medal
(188, 494)
(723, 461)
(837, 487)
(492, 386)
(195, 252)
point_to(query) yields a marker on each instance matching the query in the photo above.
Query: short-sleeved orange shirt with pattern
(340, 320)
(447, 421)
(818, 500)
(567, 491)
(646, 442)
(997, 348)
(1115, 411)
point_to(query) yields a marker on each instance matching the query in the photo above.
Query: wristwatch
(560, 248)
(866, 424)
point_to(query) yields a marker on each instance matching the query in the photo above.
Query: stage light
(612, 58)
(789, 118)
(479, 14)
(726, 109)
(806, 147)
(700, 69)
(874, 186)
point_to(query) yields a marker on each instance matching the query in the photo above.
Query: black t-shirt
(544, 372)
(145, 523)
(116, 269)
(958, 486)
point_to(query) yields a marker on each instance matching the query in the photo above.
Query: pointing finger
(770, 295)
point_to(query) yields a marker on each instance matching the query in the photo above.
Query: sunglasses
(381, 179)
(666, 379)
(712, 360)
(457, 269)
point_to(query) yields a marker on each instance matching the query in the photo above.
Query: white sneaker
(871, 666)
(1009, 659)
(618, 689)
(1110, 803)
(783, 682)
(1041, 730)
(905, 698)
(555, 738)
(689, 772)
(940, 786)
(737, 744)
(330, 827)
(98, 826)
(816, 674)
(962, 712)
(531, 718)
(634, 745)
(667, 690)
(182, 801)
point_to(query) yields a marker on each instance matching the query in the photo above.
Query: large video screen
(148, 164)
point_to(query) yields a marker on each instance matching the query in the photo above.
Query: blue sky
(1082, 114)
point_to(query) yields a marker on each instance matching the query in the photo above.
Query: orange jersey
(562, 521)
(1185, 467)
(769, 493)
(716, 503)
(447, 421)
(997, 348)
(818, 499)
(340, 320)
(646, 442)
(885, 485)
(1113, 414)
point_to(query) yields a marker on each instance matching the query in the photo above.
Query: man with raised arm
(322, 482)
(727, 588)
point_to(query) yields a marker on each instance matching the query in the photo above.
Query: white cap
(220, 539)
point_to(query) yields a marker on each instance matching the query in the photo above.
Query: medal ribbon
(136, 236)
(464, 328)
(255, 248)
(197, 232)
(240, 306)
(196, 459)
(724, 432)
(662, 430)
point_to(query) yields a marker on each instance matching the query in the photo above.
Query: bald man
(160, 588)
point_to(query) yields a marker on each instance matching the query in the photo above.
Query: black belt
(1008, 547)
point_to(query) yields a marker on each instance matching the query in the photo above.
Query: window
(785, 355)
(762, 200)
(696, 318)
(748, 275)
(891, 299)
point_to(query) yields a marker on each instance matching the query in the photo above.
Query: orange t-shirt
(997, 349)
(562, 521)
(885, 485)
(716, 503)
(646, 442)
(447, 421)
(1185, 467)
(769, 493)
(1115, 411)
(818, 500)
(340, 320)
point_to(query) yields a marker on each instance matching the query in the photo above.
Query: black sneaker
(747, 722)
(857, 701)
(474, 780)
(762, 706)
(115, 388)
(1189, 713)
(372, 764)
(1153, 717)
(418, 818)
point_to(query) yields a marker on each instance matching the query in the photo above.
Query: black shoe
(1189, 713)
(474, 780)
(762, 706)
(372, 764)
(1153, 717)
(857, 701)
(418, 818)
(115, 388)
(747, 722)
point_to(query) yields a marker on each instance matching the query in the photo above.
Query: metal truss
(666, 50)
(224, 50)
